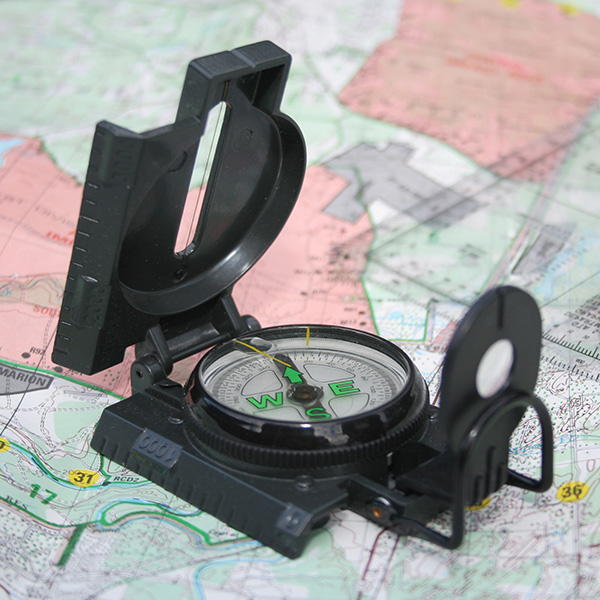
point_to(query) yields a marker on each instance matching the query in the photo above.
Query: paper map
(453, 146)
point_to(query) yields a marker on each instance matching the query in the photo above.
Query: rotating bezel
(282, 443)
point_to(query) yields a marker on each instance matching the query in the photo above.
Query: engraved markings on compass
(302, 380)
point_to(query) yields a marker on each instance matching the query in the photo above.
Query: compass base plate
(146, 435)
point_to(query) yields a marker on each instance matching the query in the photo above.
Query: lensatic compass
(277, 427)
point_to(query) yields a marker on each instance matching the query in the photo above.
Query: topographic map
(453, 145)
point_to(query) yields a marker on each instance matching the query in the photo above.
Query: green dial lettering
(317, 413)
(343, 387)
(265, 399)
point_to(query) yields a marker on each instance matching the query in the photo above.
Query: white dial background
(259, 377)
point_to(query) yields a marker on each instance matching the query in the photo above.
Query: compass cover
(125, 276)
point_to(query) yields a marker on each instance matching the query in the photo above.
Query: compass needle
(263, 353)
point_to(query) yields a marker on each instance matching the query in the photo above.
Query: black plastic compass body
(306, 397)
(277, 427)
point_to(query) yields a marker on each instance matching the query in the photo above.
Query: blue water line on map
(143, 502)
(6, 145)
(233, 559)
(47, 473)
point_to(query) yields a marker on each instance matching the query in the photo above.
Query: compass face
(302, 375)
(306, 387)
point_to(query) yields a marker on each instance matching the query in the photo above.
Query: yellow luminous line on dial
(264, 353)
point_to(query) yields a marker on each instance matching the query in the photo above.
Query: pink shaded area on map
(307, 276)
(487, 79)
(311, 274)
(39, 207)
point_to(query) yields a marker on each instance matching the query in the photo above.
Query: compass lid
(125, 277)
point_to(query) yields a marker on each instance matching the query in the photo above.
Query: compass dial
(286, 379)
(306, 387)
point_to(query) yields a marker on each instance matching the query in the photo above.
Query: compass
(338, 390)
(276, 427)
